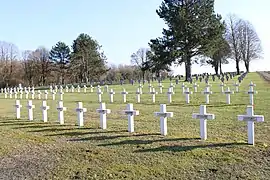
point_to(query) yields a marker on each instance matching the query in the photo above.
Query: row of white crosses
(130, 112)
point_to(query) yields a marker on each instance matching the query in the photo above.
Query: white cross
(124, 94)
(91, 88)
(46, 94)
(138, 93)
(21, 94)
(6, 94)
(252, 84)
(251, 93)
(80, 111)
(61, 110)
(39, 94)
(195, 86)
(29, 88)
(18, 107)
(207, 92)
(53, 95)
(10, 94)
(187, 92)
(66, 89)
(172, 85)
(61, 93)
(26, 94)
(33, 94)
(130, 112)
(236, 85)
(15, 94)
(78, 88)
(51, 88)
(72, 89)
(250, 118)
(160, 88)
(150, 87)
(111, 95)
(163, 114)
(222, 87)
(44, 109)
(153, 95)
(169, 93)
(106, 88)
(208, 85)
(99, 93)
(183, 88)
(141, 87)
(84, 88)
(103, 115)
(228, 93)
(203, 116)
(55, 88)
(30, 107)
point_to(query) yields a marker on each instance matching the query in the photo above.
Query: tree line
(194, 34)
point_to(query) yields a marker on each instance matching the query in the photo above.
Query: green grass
(92, 153)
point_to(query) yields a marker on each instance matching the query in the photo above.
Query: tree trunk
(237, 67)
(188, 68)
(143, 74)
(216, 68)
(220, 69)
(247, 66)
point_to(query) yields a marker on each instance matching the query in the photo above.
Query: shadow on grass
(188, 148)
(109, 137)
(78, 133)
(225, 105)
(57, 128)
(134, 142)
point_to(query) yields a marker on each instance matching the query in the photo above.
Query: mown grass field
(37, 150)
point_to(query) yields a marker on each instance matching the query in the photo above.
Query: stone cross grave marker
(153, 95)
(78, 89)
(112, 93)
(251, 93)
(30, 108)
(163, 114)
(236, 85)
(222, 87)
(106, 88)
(103, 115)
(91, 88)
(56, 88)
(46, 94)
(150, 88)
(61, 93)
(45, 109)
(53, 95)
(80, 111)
(32, 95)
(72, 88)
(18, 107)
(39, 94)
(61, 110)
(195, 86)
(169, 94)
(99, 93)
(21, 94)
(187, 92)
(138, 93)
(207, 93)
(183, 87)
(250, 118)
(203, 116)
(124, 94)
(10, 94)
(84, 88)
(172, 86)
(66, 89)
(51, 88)
(26, 94)
(252, 84)
(160, 88)
(130, 112)
(228, 93)
(15, 95)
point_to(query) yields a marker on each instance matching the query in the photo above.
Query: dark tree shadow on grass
(79, 133)
(134, 142)
(58, 128)
(188, 148)
(110, 137)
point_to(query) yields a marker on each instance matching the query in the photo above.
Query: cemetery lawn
(37, 150)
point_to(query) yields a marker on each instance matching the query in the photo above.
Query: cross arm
(258, 118)
(164, 114)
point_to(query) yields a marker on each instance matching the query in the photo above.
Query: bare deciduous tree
(8, 54)
(139, 59)
(28, 66)
(250, 43)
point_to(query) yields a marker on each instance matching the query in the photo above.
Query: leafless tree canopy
(243, 40)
